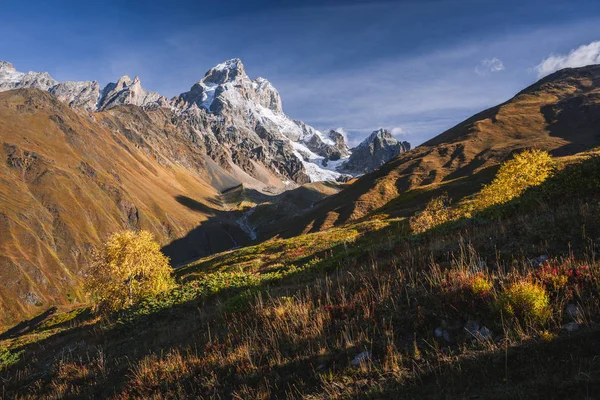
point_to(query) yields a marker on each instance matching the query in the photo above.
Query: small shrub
(465, 294)
(525, 300)
(128, 268)
(8, 358)
(562, 279)
(436, 212)
(528, 168)
(480, 285)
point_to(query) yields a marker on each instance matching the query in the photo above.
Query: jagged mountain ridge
(244, 116)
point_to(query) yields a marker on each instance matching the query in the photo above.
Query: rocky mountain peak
(10, 78)
(377, 149)
(267, 95)
(5, 66)
(227, 71)
(127, 91)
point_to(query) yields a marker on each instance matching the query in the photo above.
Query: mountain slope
(560, 113)
(66, 182)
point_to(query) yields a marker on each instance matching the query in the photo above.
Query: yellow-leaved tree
(126, 269)
(526, 169)
(436, 212)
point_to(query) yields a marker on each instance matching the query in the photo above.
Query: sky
(414, 67)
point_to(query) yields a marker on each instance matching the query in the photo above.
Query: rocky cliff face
(377, 149)
(126, 91)
(238, 122)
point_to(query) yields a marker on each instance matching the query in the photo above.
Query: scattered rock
(472, 327)
(447, 336)
(537, 262)
(571, 327)
(485, 334)
(443, 333)
(573, 310)
(360, 358)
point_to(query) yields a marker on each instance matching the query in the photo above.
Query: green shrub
(8, 358)
(481, 285)
(525, 300)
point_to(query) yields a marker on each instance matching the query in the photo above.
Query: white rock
(360, 358)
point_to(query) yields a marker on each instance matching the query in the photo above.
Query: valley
(390, 277)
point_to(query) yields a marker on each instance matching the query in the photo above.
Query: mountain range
(240, 120)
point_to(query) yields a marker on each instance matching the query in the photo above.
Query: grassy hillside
(559, 114)
(67, 182)
(503, 304)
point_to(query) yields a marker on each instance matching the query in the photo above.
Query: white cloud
(579, 57)
(398, 131)
(489, 65)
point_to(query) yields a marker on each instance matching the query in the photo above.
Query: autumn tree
(127, 268)
(526, 169)
(436, 212)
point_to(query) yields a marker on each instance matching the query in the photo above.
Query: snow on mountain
(10, 78)
(239, 119)
(227, 91)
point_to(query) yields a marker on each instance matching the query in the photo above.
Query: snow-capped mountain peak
(224, 72)
(241, 120)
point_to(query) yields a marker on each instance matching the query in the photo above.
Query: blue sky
(414, 67)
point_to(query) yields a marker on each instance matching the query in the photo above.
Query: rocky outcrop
(377, 149)
(126, 91)
(79, 95)
(10, 78)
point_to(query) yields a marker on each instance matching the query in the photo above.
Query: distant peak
(6, 66)
(225, 72)
(234, 63)
(379, 133)
(125, 80)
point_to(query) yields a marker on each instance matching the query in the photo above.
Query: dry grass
(301, 337)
